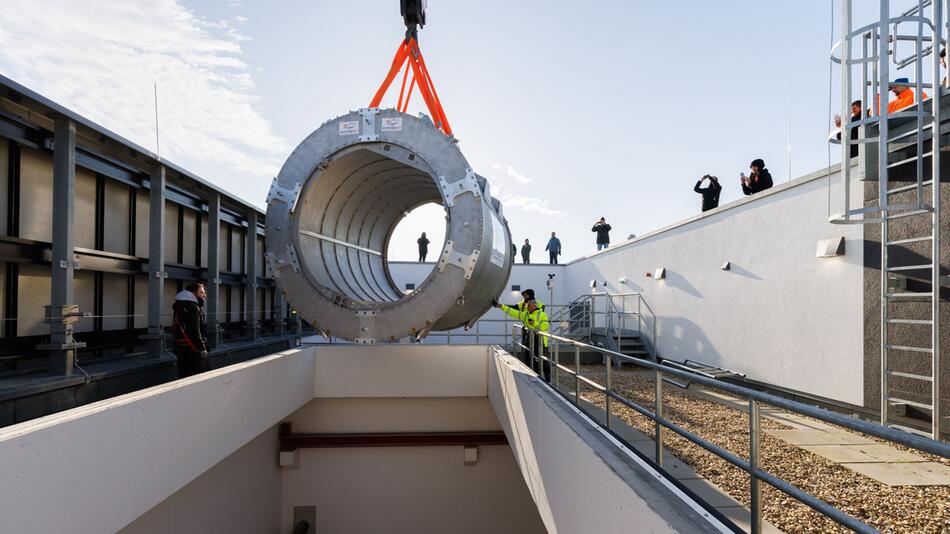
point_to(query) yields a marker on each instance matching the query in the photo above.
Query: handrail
(751, 466)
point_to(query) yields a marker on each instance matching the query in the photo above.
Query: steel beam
(62, 314)
(156, 261)
(214, 268)
(250, 292)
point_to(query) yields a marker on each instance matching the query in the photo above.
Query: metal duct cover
(333, 208)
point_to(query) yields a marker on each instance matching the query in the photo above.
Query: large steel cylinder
(333, 208)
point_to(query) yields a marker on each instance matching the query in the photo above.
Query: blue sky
(612, 110)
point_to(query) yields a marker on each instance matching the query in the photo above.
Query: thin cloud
(513, 173)
(101, 59)
(512, 200)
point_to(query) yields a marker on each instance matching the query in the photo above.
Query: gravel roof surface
(911, 509)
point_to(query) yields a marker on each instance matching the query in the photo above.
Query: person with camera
(856, 107)
(758, 180)
(188, 330)
(710, 193)
(602, 229)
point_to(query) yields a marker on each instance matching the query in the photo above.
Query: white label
(393, 124)
(349, 127)
(498, 251)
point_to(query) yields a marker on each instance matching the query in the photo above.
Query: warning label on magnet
(349, 127)
(393, 124)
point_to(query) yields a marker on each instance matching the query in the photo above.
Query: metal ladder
(899, 279)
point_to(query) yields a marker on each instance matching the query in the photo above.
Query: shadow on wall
(677, 281)
(682, 339)
(736, 269)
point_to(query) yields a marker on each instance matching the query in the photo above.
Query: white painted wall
(239, 494)
(781, 315)
(99, 467)
(404, 388)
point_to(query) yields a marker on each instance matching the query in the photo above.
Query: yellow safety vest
(537, 320)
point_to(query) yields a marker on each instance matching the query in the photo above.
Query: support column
(250, 291)
(156, 261)
(279, 311)
(214, 268)
(61, 313)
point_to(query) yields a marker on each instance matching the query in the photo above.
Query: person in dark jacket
(856, 107)
(710, 193)
(554, 249)
(603, 234)
(423, 247)
(191, 346)
(758, 180)
(526, 252)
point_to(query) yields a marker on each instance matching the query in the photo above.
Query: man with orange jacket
(905, 95)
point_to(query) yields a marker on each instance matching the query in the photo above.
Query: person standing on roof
(710, 193)
(603, 233)
(191, 346)
(856, 107)
(759, 180)
(905, 95)
(553, 248)
(526, 252)
(423, 242)
(533, 318)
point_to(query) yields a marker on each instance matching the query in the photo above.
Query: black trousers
(190, 362)
(553, 260)
(422, 255)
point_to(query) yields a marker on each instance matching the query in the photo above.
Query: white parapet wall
(99, 467)
(779, 314)
(580, 479)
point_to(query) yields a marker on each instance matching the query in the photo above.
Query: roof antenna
(158, 152)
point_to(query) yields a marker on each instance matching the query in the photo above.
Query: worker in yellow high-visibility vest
(532, 317)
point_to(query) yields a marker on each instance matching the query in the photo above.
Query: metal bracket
(367, 320)
(464, 261)
(368, 124)
(469, 184)
(272, 263)
(292, 254)
(287, 196)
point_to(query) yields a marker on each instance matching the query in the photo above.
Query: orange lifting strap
(409, 52)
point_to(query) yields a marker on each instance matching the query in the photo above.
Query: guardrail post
(557, 361)
(658, 429)
(754, 483)
(577, 375)
(610, 364)
(530, 356)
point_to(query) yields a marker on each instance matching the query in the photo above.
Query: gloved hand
(203, 354)
(495, 304)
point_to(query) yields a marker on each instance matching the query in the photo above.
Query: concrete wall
(780, 314)
(239, 494)
(100, 467)
(600, 489)
(404, 489)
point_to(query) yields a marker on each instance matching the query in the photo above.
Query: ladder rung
(910, 349)
(911, 240)
(910, 187)
(921, 405)
(908, 160)
(910, 321)
(908, 214)
(910, 375)
(911, 430)
(908, 295)
(910, 268)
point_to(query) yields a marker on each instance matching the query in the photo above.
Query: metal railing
(549, 367)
